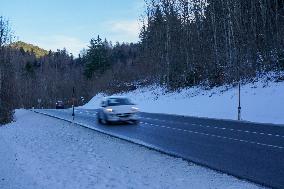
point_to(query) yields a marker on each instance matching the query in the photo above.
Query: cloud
(73, 45)
(123, 30)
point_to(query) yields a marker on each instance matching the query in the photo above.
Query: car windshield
(119, 101)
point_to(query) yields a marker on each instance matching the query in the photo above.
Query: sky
(70, 24)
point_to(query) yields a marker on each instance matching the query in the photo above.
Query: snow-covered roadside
(41, 152)
(261, 101)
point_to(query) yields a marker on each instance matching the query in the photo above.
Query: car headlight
(109, 110)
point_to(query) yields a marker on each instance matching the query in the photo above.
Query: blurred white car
(117, 109)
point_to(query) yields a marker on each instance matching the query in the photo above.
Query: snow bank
(41, 152)
(261, 101)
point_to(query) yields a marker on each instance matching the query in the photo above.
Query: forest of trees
(210, 41)
(182, 43)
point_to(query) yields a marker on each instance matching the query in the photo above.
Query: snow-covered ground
(40, 152)
(261, 101)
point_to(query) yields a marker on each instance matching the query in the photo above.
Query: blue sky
(55, 24)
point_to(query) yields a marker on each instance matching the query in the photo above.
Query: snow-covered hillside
(38, 152)
(261, 101)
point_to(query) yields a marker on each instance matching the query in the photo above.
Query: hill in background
(39, 52)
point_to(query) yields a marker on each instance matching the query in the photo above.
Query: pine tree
(97, 58)
(6, 74)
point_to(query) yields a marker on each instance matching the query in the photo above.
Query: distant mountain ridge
(39, 52)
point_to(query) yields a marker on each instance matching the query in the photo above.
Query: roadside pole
(239, 106)
(73, 104)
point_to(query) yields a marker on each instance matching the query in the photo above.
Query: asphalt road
(247, 150)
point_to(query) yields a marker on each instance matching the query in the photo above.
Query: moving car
(117, 109)
(59, 104)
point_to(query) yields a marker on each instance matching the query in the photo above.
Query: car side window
(112, 101)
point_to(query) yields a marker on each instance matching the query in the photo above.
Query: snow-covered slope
(261, 101)
(38, 152)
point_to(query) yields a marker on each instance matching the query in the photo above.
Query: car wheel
(99, 119)
(104, 120)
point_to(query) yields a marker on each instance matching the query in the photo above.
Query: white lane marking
(88, 112)
(222, 128)
(213, 135)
